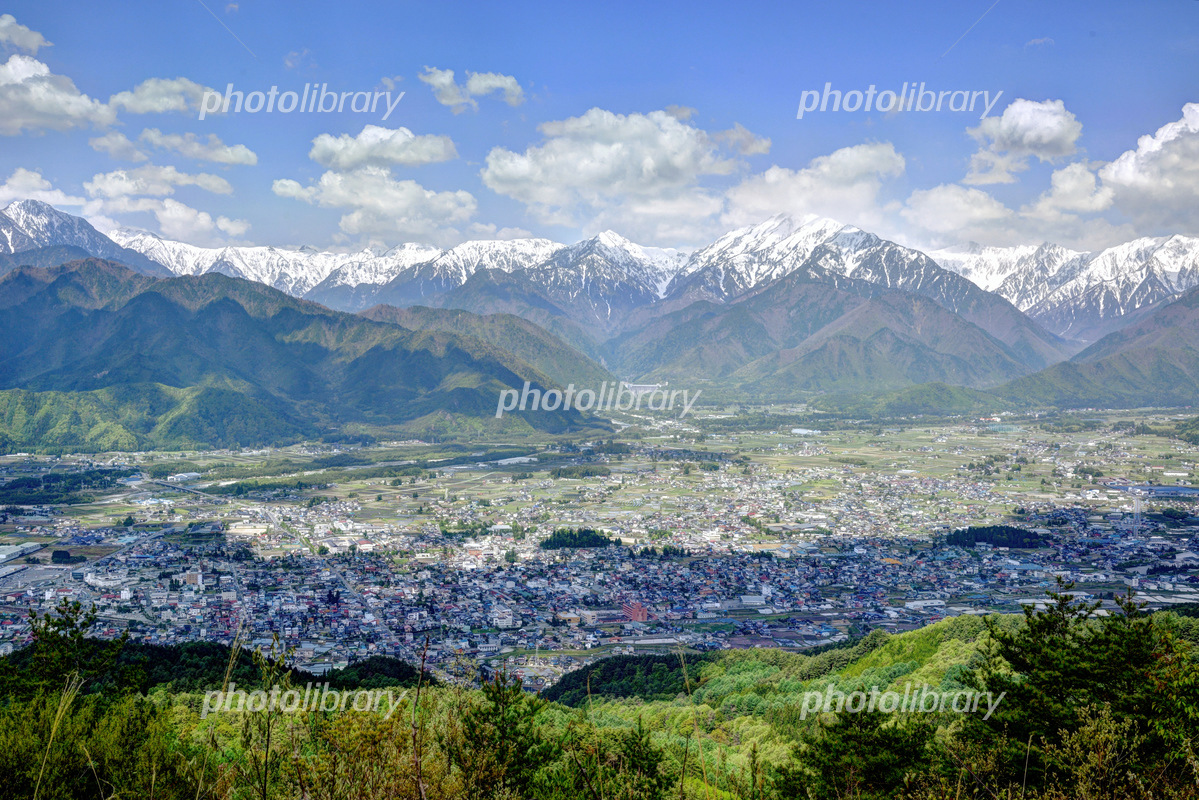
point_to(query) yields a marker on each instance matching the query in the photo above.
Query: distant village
(724, 557)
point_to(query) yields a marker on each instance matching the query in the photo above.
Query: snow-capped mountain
(452, 268)
(1082, 295)
(825, 251)
(12, 238)
(755, 256)
(1119, 284)
(354, 284)
(380, 269)
(291, 271)
(1025, 274)
(29, 224)
(603, 276)
(1074, 294)
(751, 256)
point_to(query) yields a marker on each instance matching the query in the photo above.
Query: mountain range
(783, 309)
(1075, 296)
(1078, 295)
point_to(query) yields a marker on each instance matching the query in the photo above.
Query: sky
(669, 123)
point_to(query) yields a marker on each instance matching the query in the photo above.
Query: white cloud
(1157, 184)
(743, 140)
(296, 58)
(1026, 128)
(33, 98)
(952, 214)
(191, 146)
(379, 147)
(14, 34)
(682, 113)
(483, 83)
(949, 208)
(118, 146)
(152, 180)
(25, 184)
(489, 230)
(177, 220)
(381, 206)
(478, 84)
(445, 90)
(160, 96)
(844, 185)
(594, 164)
(1074, 189)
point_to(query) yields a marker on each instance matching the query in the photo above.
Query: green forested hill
(1153, 362)
(537, 347)
(803, 335)
(95, 356)
(1078, 706)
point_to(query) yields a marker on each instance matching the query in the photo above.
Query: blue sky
(669, 123)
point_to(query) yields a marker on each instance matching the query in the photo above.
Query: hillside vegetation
(95, 357)
(1088, 707)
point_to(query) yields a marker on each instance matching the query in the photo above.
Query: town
(693, 538)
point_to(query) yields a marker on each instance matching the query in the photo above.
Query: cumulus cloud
(152, 180)
(952, 208)
(591, 164)
(1045, 130)
(160, 96)
(118, 146)
(177, 220)
(26, 184)
(15, 35)
(32, 98)
(459, 98)
(1065, 214)
(381, 206)
(484, 83)
(380, 147)
(191, 146)
(448, 93)
(489, 230)
(1157, 183)
(743, 140)
(1074, 189)
(844, 185)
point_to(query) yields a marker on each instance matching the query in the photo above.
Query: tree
(855, 755)
(61, 646)
(499, 746)
(1066, 663)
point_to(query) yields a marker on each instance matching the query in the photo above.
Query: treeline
(59, 487)
(580, 471)
(123, 667)
(242, 488)
(648, 677)
(666, 551)
(994, 535)
(570, 538)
